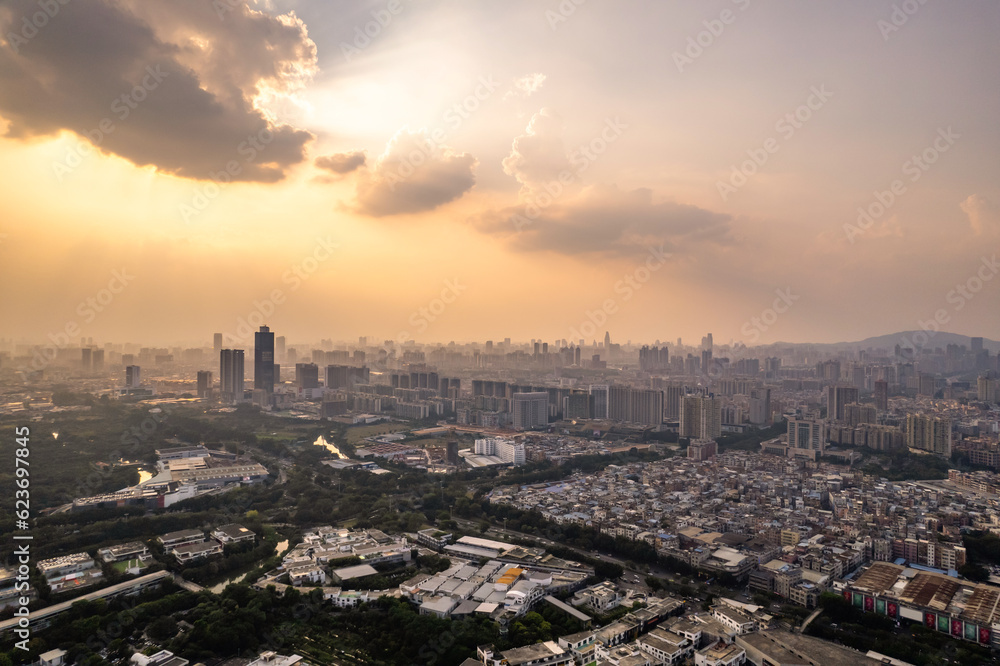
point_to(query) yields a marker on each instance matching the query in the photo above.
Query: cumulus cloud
(414, 175)
(981, 212)
(341, 163)
(526, 85)
(610, 222)
(211, 103)
(539, 155)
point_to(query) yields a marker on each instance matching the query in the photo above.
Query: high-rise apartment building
(760, 406)
(837, 396)
(217, 343)
(672, 396)
(599, 392)
(929, 433)
(881, 387)
(631, 405)
(530, 410)
(856, 414)
(988, 389)
(204, 383)
(306, 375)
(701, 417)
(654, 359)
(576, 406)
(133, 376)
(925, 384)
(828, 371)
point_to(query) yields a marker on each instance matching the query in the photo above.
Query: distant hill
(935, 339)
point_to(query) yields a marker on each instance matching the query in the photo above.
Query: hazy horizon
(432, 171)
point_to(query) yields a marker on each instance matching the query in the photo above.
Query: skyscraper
(217, 343)
(263, 360)
(607, 340)
(133, 376)
(231, 375)
(279, 348)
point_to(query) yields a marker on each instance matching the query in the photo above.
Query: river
(216, 589)
(321, 441)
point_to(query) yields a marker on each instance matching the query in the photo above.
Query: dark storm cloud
(165, 83)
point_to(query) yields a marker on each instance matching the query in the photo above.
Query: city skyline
(770, 173)
(533, 333)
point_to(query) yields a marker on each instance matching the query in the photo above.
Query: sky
(436, 171)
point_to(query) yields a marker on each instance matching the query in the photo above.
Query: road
(809, 619)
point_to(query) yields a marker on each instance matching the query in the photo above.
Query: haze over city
(672, 168)
(522, 333)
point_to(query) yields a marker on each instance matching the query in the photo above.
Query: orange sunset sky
(534, 152)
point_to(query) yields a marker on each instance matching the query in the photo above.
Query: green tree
(162, 628)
